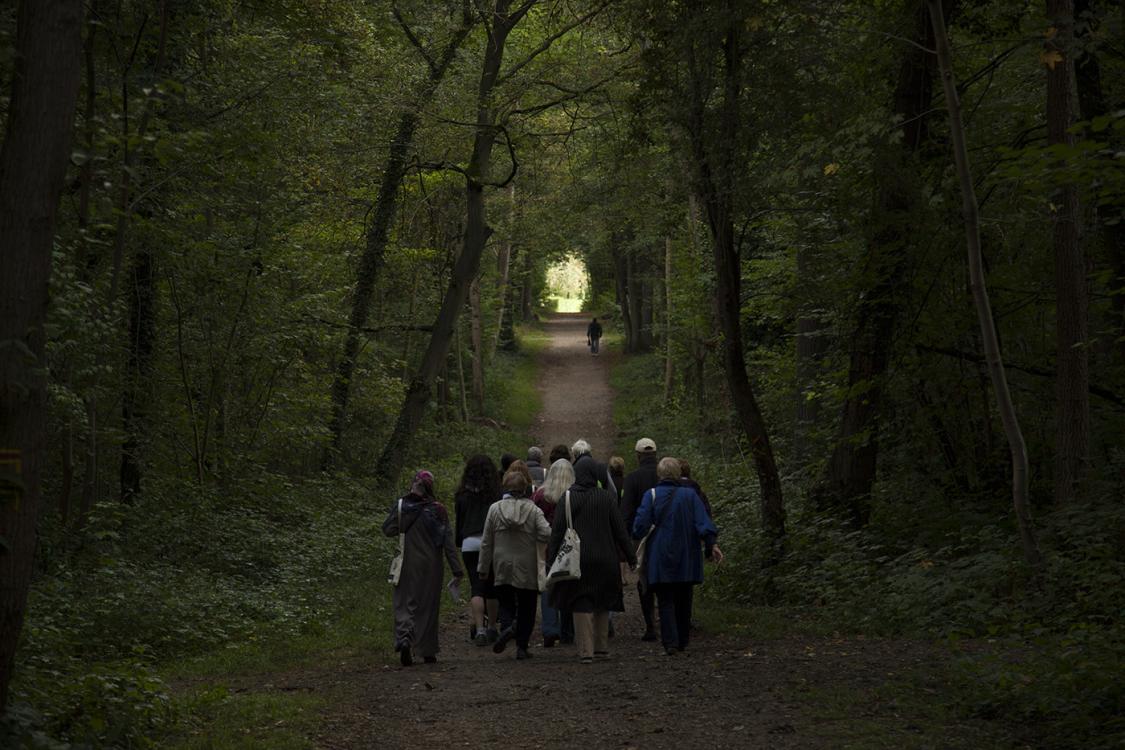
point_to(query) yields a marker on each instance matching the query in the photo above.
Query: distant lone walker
(593, 336)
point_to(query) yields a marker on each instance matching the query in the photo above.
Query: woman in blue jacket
(682, 534)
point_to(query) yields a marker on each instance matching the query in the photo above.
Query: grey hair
(559, 479)
(534, 454)
(580, 448)
(669, 468)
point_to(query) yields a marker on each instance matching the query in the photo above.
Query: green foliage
(249, 721)
(1040, 654)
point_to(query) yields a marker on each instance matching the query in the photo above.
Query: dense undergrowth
(1043, 658)
(138, 623)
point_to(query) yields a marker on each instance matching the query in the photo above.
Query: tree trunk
(87, 262)
(715, 164)
(476, 343)
(374, 252)
(635, 292)
(136, 396)
(668, 364)
(1072, 378)
(526, 289)
(67, 473)
(850, 474)
(1110, 219)
(131, 156)
(503, 267)
(507, 332)
(90, 472)
(468, 262)
(33, 159)
(621, 281)
(980, 293)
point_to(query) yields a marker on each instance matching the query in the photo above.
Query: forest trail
(577, 399)
(724, 691)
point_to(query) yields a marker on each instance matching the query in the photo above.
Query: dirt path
(722, 692)
(577, 399)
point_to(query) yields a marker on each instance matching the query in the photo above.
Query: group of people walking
(512, 522)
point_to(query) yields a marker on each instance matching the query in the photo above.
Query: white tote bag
(568, 562)
(396, 564)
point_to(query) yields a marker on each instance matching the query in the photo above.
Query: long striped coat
(604, 543)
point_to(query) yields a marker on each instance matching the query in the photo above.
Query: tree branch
(1095, 390)
(546, 44)
(414, 40)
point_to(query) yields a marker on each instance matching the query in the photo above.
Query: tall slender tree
(499, 22)
(970, 213)
(1072, 368)
(386, 205)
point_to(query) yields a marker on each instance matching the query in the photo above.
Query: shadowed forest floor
(725, 691)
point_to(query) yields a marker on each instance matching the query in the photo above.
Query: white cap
(645, 445)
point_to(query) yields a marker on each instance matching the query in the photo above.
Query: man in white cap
(637, 483)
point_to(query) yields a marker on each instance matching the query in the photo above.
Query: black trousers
(648, 603)
(674, 600)
(518, 605)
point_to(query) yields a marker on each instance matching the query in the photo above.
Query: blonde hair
(559, 479)
(669, 468)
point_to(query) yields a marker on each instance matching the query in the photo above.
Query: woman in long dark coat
(604, 543)
(417, 597)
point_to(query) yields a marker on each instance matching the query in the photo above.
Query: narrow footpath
(723, 692)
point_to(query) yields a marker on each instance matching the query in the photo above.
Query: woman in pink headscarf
(427, 536)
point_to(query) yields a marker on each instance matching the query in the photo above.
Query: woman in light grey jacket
(510, 550)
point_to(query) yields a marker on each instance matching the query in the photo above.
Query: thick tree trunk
(1072, 400)
(850, 474)
(980, 293)
(374, 252)
(33, 159)
(468, 262)
(715, 165)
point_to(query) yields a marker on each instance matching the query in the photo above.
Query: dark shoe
(492, 635)
(611, 629)
(522, 653)
(549, 641)
(404, 656)
(670, 651)
(481, 638)
(502, 640)
(650, 635)
(566, 641)
(430, 659)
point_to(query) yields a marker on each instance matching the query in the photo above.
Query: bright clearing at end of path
(567, 284)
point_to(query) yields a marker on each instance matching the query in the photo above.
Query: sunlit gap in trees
(567, 284)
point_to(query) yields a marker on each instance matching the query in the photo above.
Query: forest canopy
(261, 259)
